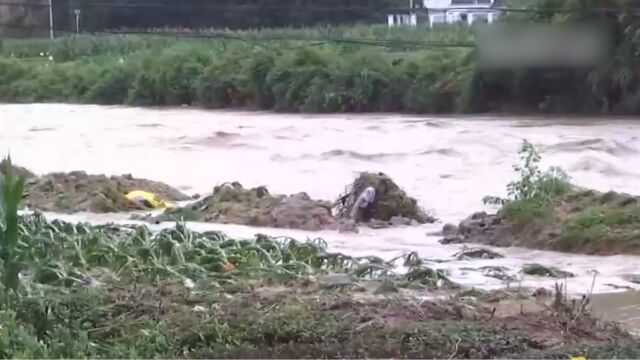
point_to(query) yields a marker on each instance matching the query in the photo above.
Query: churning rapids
(449, 164)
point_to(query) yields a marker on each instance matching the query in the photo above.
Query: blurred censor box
(509, 46)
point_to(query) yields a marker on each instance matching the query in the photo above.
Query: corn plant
(10, 196)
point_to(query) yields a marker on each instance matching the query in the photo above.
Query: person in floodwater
(140, 202)
(364, 207)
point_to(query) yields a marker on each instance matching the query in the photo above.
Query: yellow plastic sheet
(147, 200)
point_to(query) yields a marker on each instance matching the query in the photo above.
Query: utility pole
(51, 35)
(412, 14)
(76, 12)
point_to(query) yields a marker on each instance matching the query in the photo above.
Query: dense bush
(323, 69)
(325, 78)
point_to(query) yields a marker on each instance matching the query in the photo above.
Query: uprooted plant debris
(496, 272)
(17, 170)
(392, 205)
(547, 271)
(477, 253)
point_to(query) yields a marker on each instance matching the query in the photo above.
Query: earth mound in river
(78, 191)
(392, 205)
(580, 221)
(18, 171)
(231, 203)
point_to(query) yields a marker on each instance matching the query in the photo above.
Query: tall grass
(320, 69)
(219, 74)
(75, 47)
(10, 197)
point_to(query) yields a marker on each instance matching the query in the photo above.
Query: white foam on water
(449, 164)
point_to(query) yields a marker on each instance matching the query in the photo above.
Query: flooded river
(449, 164)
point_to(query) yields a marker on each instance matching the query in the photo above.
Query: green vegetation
(587, 221)
(544, 210)
(284, 75)
(548, 271)
(533, 196)
(601, 224)
(324, 69)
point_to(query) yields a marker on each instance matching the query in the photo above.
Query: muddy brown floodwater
(449, 164)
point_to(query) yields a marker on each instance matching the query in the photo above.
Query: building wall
(436, 3)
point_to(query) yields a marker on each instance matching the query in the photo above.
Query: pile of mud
(231, 203)
(18, 171)
(581, 221)
(391, 206)
(78, 191)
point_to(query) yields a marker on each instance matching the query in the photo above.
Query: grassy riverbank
(76, 290)
(342, 69)
(395, 74)
(545, 210)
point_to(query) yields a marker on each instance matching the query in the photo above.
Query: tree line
(235, 14)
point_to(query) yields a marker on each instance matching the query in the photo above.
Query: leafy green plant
(10, 196)
(531, 196)
(533, 182)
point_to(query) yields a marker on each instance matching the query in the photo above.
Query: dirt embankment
(316, 320)
(229, 203)
(233, 204)
(580, 221)
(78, 191)
(392, 205)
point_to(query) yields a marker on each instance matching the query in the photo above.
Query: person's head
(369, 194)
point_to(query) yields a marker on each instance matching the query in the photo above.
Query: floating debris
(547, 271)
(477, 253)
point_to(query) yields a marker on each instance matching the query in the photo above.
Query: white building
(446, 12)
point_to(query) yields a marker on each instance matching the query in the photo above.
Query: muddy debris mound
(482, 228)
(474, 324)
(231, 203)
(476, 253)
(391, 205)
(18, 171)
(546, 271)
(580, 221)
(78, 191)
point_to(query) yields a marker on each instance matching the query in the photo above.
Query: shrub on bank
(321, 79)
(289, 75)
